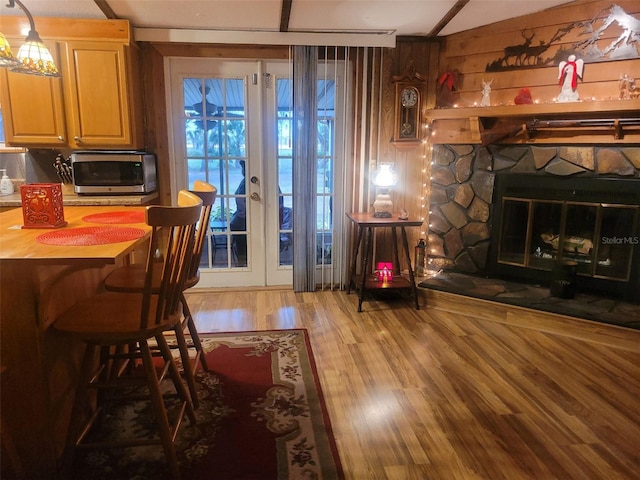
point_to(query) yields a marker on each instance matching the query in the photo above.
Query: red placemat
(115, 217)
(85, 236)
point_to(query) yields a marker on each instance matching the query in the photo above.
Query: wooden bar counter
(37, 283)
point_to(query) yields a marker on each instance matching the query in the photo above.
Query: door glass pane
(577, 241)
(284, 119)
(324, 182)
(215, 125)
(513, 234)
(617, 241)
(324, 171)
(545, 232)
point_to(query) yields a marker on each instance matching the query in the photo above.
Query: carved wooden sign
(589, 46)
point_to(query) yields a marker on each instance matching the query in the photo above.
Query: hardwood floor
(461, 389)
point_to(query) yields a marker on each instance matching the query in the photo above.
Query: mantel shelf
(565, 110)
(575, 122)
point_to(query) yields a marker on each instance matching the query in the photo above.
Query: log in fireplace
(593, 223)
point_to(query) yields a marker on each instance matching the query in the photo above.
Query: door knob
(255, 196)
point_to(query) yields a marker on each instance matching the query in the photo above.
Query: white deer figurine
(486, 94)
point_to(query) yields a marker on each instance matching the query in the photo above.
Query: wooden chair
(111, 323)
(130, 278)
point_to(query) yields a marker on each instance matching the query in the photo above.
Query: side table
(366, 223)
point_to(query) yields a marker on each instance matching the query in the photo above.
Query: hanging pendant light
(6, 56)
(34, 57)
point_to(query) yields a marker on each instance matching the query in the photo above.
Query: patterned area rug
(261, 417)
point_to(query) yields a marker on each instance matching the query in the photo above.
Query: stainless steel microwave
(113, 172)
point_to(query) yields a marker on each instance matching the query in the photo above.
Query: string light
(427, 150)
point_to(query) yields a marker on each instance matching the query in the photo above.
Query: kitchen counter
(14, 200)
(41, 366)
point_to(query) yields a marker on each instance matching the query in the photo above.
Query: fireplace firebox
(593, 223)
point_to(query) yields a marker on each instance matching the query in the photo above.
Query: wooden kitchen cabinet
(95, 104)
(99, 95)
(32, 107)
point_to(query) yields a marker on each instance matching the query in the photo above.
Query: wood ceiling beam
(285, 14)
(448, 17)
(106, 9)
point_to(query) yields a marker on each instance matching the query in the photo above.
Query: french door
(232, 127)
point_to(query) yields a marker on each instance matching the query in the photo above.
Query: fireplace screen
(599, 237)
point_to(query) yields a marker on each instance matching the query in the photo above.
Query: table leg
(354, 260)
(405, 244)
(365, 264)
(396, 256)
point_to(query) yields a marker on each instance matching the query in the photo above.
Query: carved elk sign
(589, 46)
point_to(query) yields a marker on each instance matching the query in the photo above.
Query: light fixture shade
(6, 56)
(35, 58)
(385, 176)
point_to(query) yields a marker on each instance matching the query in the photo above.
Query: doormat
(262, 416)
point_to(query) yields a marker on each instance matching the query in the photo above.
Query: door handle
(255, 196)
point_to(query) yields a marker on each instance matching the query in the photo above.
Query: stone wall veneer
(462, 190)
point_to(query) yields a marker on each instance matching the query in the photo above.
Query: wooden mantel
(609, 121)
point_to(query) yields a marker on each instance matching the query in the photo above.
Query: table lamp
(384, 178)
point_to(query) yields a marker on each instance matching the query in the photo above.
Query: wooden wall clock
(408, 107)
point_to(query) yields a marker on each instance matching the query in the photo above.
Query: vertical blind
(358, 99)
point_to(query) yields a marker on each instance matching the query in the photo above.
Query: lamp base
(382, 214)
(383, 206)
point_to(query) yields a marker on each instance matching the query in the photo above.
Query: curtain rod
(376, 39)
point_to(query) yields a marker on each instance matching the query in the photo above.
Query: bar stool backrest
(207, 194)
(173, 233)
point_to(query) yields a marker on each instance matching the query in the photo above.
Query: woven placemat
(115, 217)
(86, 236)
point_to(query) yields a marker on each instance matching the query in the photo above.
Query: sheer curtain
(305, 66)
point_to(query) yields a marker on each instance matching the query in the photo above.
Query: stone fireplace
(482, 198)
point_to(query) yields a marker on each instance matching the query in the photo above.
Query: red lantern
(384, 272)
(42, 205)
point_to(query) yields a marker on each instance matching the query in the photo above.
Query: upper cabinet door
(32, 109)
(98, 95)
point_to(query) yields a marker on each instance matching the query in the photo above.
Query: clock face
(409, 97)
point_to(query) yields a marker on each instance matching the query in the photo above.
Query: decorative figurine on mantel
(523, 97)
(628, 88)
(486, 94)
(447, 86)
(568, 73)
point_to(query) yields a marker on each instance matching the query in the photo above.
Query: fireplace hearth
(587, 306)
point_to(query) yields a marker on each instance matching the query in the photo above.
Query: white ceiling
(395, 17)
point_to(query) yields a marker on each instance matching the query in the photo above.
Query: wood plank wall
(470, 52)
(412, 165)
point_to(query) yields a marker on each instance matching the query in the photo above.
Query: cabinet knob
(77, 139)
(60, 138)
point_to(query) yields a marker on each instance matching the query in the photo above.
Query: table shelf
(399, 282)
(366, 280)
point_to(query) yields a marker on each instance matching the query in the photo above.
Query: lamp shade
(385, 176)
(6, 56)
(35, 58)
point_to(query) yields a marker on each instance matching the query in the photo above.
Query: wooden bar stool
(130, 278)
(111, 323)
